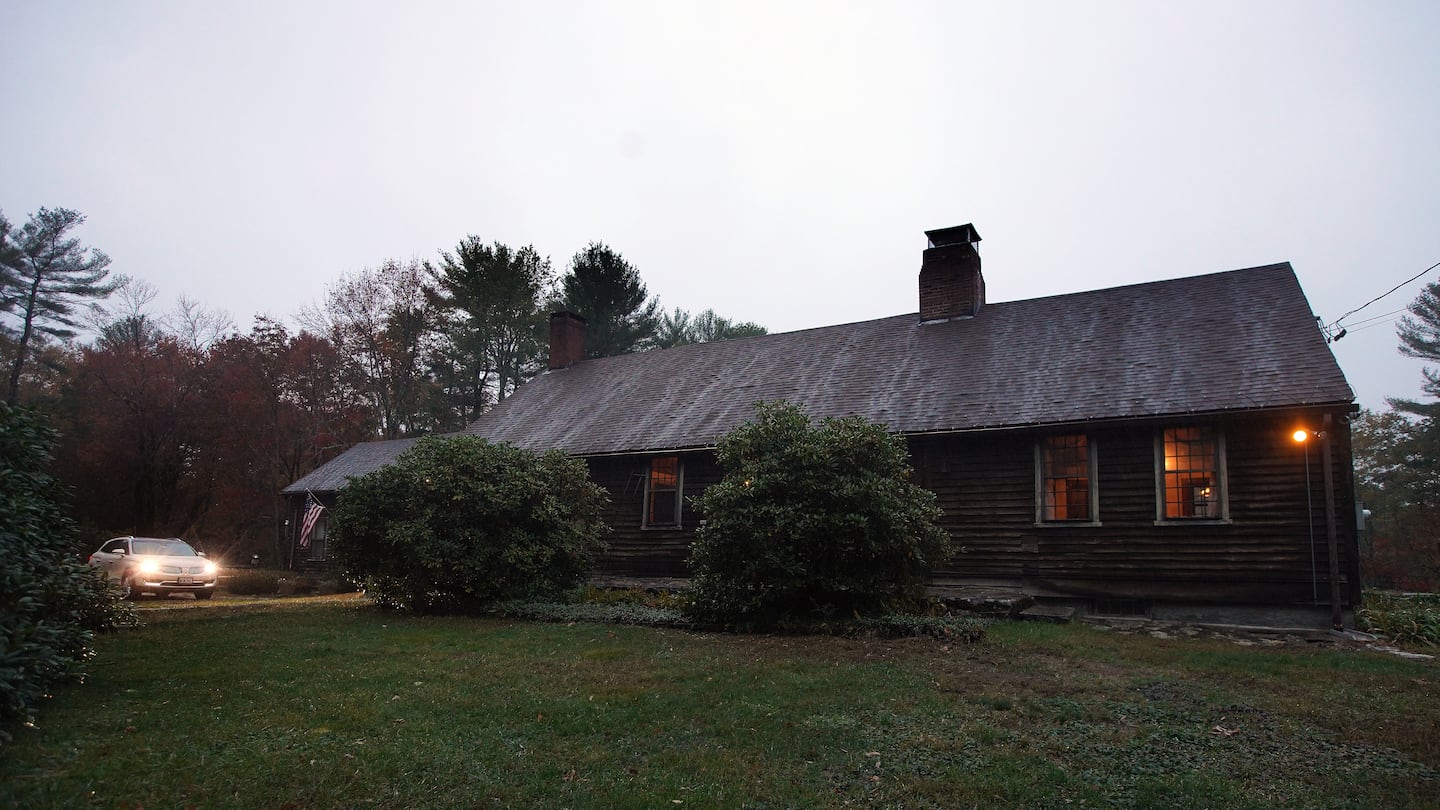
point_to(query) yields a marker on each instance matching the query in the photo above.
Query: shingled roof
(1238, 340)
(1233, 341)
(358, 460)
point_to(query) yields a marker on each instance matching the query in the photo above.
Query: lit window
(1065, 473)
(1191, 483)
(662, 492)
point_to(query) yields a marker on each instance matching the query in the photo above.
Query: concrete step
(1059, 614)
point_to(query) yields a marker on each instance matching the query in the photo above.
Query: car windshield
(162, 548)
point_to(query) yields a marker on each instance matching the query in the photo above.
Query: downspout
(1333, 544)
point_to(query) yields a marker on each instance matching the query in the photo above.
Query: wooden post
(1337, 620)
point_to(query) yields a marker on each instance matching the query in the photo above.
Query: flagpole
(290, 541)
(314, 508)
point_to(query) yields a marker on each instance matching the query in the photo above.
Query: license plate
(187, 580)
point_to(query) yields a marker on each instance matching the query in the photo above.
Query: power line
(1361, 324)
(1373, 325)
(1337, 321)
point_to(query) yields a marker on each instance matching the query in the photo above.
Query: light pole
(1302, 437)
(1332, 540)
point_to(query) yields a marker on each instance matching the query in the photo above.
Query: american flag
(312, 516)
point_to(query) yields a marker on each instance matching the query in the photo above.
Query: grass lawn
(326, 702)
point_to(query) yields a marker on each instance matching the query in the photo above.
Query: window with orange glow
(1191, 478)
(1065, 478)
(662, 492)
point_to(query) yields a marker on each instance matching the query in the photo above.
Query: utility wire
(1361, 324)
(1373, 325)
(1337, 321)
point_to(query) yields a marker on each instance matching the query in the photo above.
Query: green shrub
(963, 629)
(1411, 619)
(252, 581)
(811, 520)
(51, 603)
(457, 523)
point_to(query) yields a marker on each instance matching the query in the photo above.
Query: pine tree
(1420, 337)
(493, 295)
(44, 275)
(607, 291)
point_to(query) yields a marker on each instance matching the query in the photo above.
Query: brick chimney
(567, 339)
(950, 282)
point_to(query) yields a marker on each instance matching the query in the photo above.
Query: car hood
(188, 562)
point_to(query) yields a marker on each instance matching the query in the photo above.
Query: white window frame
(650, 493)
(1092, 481)
(1221, 480)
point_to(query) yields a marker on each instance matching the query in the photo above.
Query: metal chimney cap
(957, 235)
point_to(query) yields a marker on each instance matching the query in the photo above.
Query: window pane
(1065, 473)
(662, 508)
(662, 493)
(664, 472)
(1191, 473)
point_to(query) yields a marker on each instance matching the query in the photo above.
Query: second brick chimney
(567, 339)
(950, 282)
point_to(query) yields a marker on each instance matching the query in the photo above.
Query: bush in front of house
(252, 581)
(51, 603)
(458, 523)
(1412, 619)
(812, 520)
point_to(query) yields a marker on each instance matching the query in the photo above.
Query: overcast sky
(777, 162)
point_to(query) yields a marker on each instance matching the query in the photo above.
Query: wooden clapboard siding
(643, 552)
(985, 486)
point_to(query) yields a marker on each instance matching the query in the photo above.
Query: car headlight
(211, 569)
(149, 567)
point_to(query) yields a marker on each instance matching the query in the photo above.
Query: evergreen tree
(680, 328)
(493, 295)
(44, 275)
(708, 327)
(607, 291)
(1420, 337)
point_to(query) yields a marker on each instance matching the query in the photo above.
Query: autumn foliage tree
(165, 435)
(384, 322)
(176, 424)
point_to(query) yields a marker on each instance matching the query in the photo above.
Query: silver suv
(153, 565)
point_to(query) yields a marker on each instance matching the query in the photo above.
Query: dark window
(1065, 473)
(662, 492)
(1191, 484)
(319, 537)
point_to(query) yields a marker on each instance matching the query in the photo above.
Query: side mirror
(202, 554)
(121, 550)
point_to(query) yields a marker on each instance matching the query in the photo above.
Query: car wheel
(128, 591)
(204, 594)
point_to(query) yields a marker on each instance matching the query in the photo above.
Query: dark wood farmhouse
(1131, 449)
